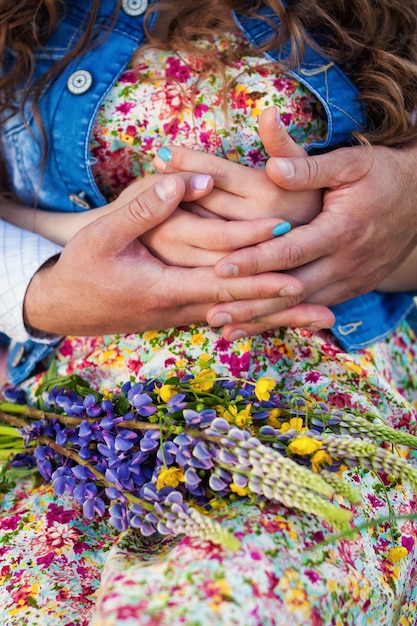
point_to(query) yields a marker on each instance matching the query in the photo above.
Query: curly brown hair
(374, 41)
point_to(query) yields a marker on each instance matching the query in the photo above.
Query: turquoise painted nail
(165, 155)
(281, 229)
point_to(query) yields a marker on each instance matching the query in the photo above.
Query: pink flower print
(61, 535)
(125, 107)
(239, 99)
(45, 560)
(172, 128)
(134, 366)
(312, 575)
(312, 377)
(238, 365)
(200, 109)
(129, 76)
(57, 513)
(256, 157)
(176, 69)
(222, 345)
(375, 502)
(10, 523)
(286, 118)
(66, 348)
(210, 140)
(407, 542)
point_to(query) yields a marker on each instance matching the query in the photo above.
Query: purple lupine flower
(85, 490)
(125, 440)
(23, 459)
(92, 406)
(150, 441)
(176, 403)
(63, 480)
(192, 479)
(201, 456)
(143, 404)
(167, 453)
(43, 454)
(93, 506)
(118, 516)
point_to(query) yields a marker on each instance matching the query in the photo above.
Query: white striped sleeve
(22, 254)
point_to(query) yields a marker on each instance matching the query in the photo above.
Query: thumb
(141, 213)
(275, 139)
(330, 170)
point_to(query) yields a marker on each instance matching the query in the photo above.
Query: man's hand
(106, 281)
(367, 227)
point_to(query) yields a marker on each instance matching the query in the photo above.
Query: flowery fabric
(174, 101)
(57, 569)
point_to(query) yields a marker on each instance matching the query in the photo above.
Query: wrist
(36, 304)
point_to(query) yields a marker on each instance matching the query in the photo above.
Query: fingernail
(165, 154)
(278, 116)
(227, 270)
(286, 167)
(290, 290)
(200, 181)
(237, 334)
(314, 326)
(166, 189)
(281, 229)
(221, 319)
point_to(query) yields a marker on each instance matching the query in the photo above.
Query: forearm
(22, 254)
(55, 226)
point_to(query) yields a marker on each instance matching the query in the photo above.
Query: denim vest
(68, 109)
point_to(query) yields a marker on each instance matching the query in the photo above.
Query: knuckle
(312, 169)
(219, 240)
(139, 209)
(291, 255)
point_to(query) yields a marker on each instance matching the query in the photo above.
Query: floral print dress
(56, 568)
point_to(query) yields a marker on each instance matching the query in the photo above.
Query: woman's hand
(244, 193)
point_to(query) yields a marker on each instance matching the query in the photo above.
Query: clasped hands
(230, 271)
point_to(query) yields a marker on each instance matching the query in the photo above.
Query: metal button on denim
(79, 82)
(134, 7)
(80, 199)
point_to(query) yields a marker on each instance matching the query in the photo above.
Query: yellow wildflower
(304, 445)
(320, 458)
(170, 477)
(294, 423)
(263, 387)
(165, 392)
(241, 491)
(242, 418)
(204, 380)
(272, 419)
(397, 554)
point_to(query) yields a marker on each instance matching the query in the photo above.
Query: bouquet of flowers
(160, 454)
